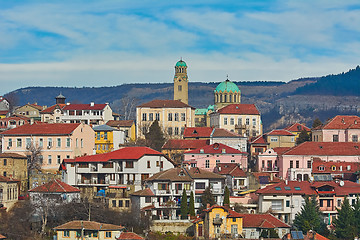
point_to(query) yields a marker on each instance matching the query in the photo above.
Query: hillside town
(82, 171)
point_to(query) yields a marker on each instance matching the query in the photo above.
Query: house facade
(52, 114)
(228, 138)
(14, 165)
(94, 114)
(107, 138)
(236, 178)
(127, 126)
(57, 141)
(13, 122)
(8, 192)
(29, 110)
(173, 116)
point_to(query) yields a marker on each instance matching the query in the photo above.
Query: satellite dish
(341, 183)
(311, 179)
(117, 236)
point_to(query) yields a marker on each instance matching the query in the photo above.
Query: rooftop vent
(201, 150)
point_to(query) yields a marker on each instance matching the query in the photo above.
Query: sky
(76, 43)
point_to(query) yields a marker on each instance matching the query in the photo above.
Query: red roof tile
(297, 127)
(281, 150)
(84, 107)
(216, 148)
(12, 155)
(120, 123)
(268, 175)
(334, 167)
(220, 132)
(232, 169)
(4, 112)
(53, 107)
(348, 187)
(143, 192)
(241, 109)
(293, 187)
(7, 179)
(129, 236)
(88, 225)
(231, 213)
(43, 129)
(197, 132)
(55, 186)
(126, 153)
(343, 122)
(260, 140)
(325, 149)
(186, 144)
(279, 132)
(165, 104)
(262, 221)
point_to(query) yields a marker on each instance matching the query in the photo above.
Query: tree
(344, 223)
(126, 106)
(316, 123)
(207, 198)
(226, 197)
(184, 210)
(34, 160)
(303, 137)
(240, 208)
(356, 207)
(309, 218)
(155, 137)
(13, 100)
(269, 233)
(192, 205)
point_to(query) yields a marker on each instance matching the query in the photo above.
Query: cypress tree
(206, 198)
(316, 123)
(226, 197)
(155, 137)
(192, 205)
(303, 137)
(357, 214)
(184, 210)
(345, 222)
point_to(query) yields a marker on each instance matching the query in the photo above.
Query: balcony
(270, 169)
(217, 221)
(240, 126)
(217, 191)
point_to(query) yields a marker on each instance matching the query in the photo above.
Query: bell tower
(181, 82)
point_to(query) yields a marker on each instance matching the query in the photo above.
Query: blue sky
(107, 43)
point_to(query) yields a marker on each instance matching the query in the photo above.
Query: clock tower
(181, 82)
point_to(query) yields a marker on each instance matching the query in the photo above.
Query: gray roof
(104, 128)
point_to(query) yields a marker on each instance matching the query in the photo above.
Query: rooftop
(43, 129)
(165, 104)
(186, 144)
(231, 169)
(85, 106)
(343, 122)
(297, 127)
(216, 148)
(55, 186)
(239, 109)
(262, 221)
(88, 225)
(325, 149)
(120, 123)
(197, 132)
(184, 174)
(227, 86)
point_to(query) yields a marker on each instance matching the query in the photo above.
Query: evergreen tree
(184, 206)
(206, 198)
(192, 205)
(155, 137)
(309, 218)
(316, 123)
(226, 197)
(304, 136)
(345, 222)
(269, 233)
(357, 214)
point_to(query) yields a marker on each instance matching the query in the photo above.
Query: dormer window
(321, 168)
(333, 168)
(348, 167)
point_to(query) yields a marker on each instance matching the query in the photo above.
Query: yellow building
(8, 192)
(14, 165)
(218, 222)
(128, 126)
(107, 139)
(181, 82)
(172, 115)
(30, 111)
(297, 128)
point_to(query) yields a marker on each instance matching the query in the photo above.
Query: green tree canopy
(192, 205)
(304, 136)
(155, 137)
(316, 123)
(345, 227)
(226, 196)
(207, 198)
(309, 218)
(184, 210)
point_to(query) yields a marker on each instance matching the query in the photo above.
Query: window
(147, 199)
(5, 162)
(66, 233)
(179, 88)
(68, 142)
(151, 117)
(144, 116)
(105, 136)
(276, 205)
(162, 186)
(157, 116)
(120, 203)
(355, 138)
(170, 117)
(207, 164)
(273, 139)
(339, 202)
(182, 130)
(176, 116)
(292, 139)
(58, 142)
(127, 203)
(187, 186)
(58, 159)
(41, 142)
(321, 168)
(49, 159)
(239, 121)
(225, 121)
(176, 131)
(129, 164)
(291, 164)
(182, 116)
(108, 234)
(297, 164)
(254, 122)
(308, 164)
(170, 131)
(98, 136)
(335, 138)
(287, 203)
(10, 142)
(247, 121)
(148, 164)
(49, 142)
(200, 185)
(81, 143)
(113, 202)
(18, 142)
(232, 121)
(28, 142)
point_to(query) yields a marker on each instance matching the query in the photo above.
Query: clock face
(179, 80)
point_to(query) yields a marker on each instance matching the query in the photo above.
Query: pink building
(208, 156)
(338, 129)
(57, 141)
(268, 161)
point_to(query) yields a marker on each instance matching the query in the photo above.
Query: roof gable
(297, 127)
(325, 149)
(197, 132)
(184, 144)
(55, 186)
(343, 122)
(165, 104)
(216, 148)
(239, 109)
(43, 129)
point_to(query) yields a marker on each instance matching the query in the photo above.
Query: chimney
(207, 205)
(286, 182)
(92, 104)
(271, 176)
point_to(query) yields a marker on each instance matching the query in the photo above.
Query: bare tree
(13, 100)
(34, 151)
(126, 106)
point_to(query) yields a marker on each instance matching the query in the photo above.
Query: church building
(181, 82)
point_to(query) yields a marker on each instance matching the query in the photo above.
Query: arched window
(225, 98)
(230, 98)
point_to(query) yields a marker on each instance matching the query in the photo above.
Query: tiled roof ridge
(57, 182)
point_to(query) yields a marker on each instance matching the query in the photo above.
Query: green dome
(227, 86)
(180, 63)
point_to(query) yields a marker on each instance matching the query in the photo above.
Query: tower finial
(227, 77)
(181, 59)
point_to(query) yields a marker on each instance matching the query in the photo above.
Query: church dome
(180, 63)
(227, 86)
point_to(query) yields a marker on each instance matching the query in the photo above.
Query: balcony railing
(270, 169)
(217, 221)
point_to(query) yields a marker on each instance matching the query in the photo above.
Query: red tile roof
(4, 112)
(165, 104)
(232, 169)
(185, 144)
(293, 187)
(36, 106)
(52, 108)
(216, 148)
(220, 132)
(85, 107)
(184, 174)
(262, 221)
(334, 167)
(268, 175)
(279, 132)
(325, 149)
(129, 236)
(12, 155)
(260, 140)
(249, 109)
(88, 225)
(43, 129)
(126, 153)
(231, 213)
(7, 179)
(281, 150)
(348, 187)
(55, 186)
(297, 127)
(343, 122)
(120, 123)
(197, 132)
(143, 192)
